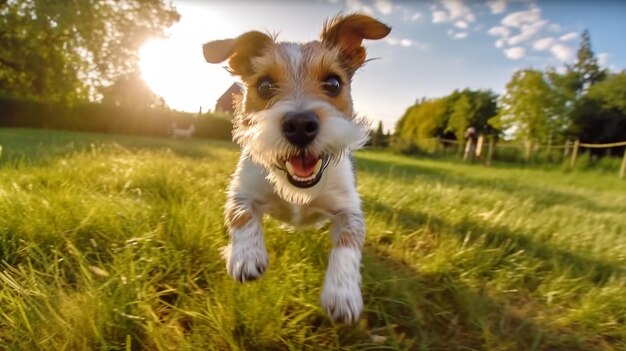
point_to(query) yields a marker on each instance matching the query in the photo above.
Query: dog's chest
(296, 215)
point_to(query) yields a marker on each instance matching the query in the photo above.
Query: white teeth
(318, 166)
(289, 168)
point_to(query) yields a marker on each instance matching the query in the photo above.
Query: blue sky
(434, 47)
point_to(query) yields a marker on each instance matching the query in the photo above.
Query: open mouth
(305, 169)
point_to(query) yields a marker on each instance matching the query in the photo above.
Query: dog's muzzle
(303, 169)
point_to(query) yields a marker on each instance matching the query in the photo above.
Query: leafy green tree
(424, 120)
(586, 68)
(68, 50)
(378, 137)
(611, 92)
(565, 88)
(472, 108)
(570, 87)
(600, 115)
(528, 107)
(461, 116)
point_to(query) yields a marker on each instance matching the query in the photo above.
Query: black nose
(300, 128)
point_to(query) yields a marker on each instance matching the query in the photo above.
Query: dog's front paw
(342, 302)
(245, 264)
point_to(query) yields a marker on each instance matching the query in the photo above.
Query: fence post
(549, 151)
(574, 153)
(622, 171)
(529, 150)
(490, 151)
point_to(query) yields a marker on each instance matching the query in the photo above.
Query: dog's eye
(332, 85)
(266, 88)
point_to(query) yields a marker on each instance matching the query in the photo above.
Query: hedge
(92, 117)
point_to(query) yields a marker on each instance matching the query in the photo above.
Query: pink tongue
(303, 166)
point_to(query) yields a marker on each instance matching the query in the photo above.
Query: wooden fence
(570, 149)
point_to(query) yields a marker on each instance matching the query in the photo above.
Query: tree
(586, 67)
(68, 50)
(378, 137)
(461, 116)
(471, 108)
(611, 92)
(424, 120)
(528, 108)
(600, 115)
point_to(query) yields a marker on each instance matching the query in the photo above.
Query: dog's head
(295, 116)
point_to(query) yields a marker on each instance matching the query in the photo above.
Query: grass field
(112, 243)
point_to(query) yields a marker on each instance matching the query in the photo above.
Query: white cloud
(460, 35)
(384, 6)
(461, 24)
(499, 31)
(453, 10)
(527, 31)
(440, 16)
(553, 27)
(515, 53)
(457, 9)
(568, 36)
(392, 41)
(603, 58)
(562, 52)
(517, 19)
(499, 43)
(497, 6)
(407, 43)
(358, 6)
(416, 16)
(544, 44)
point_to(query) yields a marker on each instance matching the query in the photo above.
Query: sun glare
(174, 67)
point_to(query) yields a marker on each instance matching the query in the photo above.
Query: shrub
(102, 118)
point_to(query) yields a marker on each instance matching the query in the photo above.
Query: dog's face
(296, 114)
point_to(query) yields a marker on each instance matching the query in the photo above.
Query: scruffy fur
(260, 185)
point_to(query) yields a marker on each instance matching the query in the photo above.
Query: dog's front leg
(341, 295)
(246, 255)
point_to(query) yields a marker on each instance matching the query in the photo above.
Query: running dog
(296, 128)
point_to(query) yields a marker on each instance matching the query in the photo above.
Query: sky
(435, 46)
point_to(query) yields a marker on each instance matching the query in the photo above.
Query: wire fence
(569, 150)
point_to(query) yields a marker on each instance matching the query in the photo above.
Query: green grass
(112, 243)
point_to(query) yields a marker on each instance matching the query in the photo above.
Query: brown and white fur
(296, 127)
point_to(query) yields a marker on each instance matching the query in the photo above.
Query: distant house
(225, 102)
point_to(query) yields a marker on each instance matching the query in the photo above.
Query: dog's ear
(348, 33)
(239, 51)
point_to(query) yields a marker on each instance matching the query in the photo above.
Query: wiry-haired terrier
(296, 126)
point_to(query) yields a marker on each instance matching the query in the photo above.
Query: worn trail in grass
(112, 242)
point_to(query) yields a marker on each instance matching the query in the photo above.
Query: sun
(174, 67)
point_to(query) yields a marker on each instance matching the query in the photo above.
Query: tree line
(78, 51)
(581, 101)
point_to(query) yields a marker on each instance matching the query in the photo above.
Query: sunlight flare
(174, 67)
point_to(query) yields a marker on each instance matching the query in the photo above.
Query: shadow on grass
(443, 313)
(437, 311)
